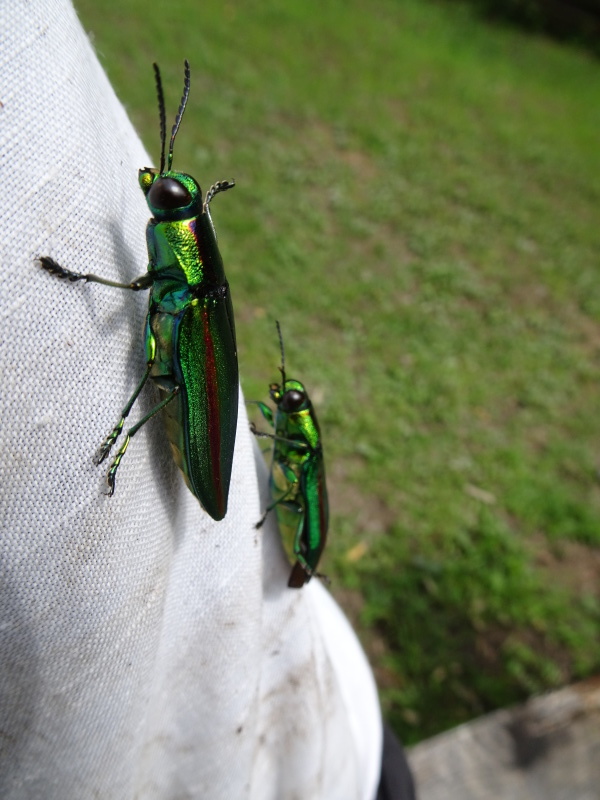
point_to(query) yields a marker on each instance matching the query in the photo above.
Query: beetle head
(290, 397)
(170, 195)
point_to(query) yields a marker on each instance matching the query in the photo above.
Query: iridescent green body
(191, 350)
(298, 485)
(190, 340)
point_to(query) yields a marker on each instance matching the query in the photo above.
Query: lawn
(417, 202)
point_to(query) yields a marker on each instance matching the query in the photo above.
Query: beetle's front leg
(294, 443)
(54, 268)
(219, 186)
(265, 411)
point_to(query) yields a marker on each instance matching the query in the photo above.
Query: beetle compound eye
(292, 400)
(167, 194)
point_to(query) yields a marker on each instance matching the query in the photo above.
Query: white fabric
(145, 650)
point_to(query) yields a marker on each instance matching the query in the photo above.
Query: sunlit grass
(417, 201)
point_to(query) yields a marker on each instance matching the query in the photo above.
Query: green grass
(417, 202)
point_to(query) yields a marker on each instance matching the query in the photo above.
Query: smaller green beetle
(298, 488)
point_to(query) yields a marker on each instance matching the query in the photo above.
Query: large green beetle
(191, 350)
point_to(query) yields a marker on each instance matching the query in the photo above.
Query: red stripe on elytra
(322, 517)
(214, 419)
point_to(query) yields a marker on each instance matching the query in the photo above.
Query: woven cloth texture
(146, 651)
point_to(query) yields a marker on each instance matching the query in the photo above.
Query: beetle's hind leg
(293, 482)
(110, 477)
(112, 437)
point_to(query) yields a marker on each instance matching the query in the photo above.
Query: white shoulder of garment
(145, 650)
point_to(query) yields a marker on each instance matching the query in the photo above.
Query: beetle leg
(293, 481)
(298, 551)
(291, 442)
(219, 186)
(265, 411)
(51, 266)
(112, 437)
(301, 571)
(260, 434)
(110, 477)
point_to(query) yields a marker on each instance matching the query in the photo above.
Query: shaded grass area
(572, 20)
(417, 202)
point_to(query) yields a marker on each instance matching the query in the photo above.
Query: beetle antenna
(161, 112)
(282, 367)
(182, 105)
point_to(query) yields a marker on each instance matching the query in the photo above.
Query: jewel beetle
(191, 352)
(297, 479)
